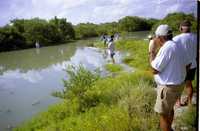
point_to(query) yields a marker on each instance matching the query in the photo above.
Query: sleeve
(162, 59)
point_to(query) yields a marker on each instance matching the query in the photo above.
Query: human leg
(171, 118)
(166, 98)
(189, 89)
(112, 57)
(165, 123)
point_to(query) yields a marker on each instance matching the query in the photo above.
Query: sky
(95, 11)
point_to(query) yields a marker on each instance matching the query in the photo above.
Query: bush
(174, 20)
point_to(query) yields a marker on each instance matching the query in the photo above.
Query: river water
(28, 77)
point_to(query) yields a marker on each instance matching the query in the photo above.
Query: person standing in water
(104, 40)
(111, 48)
(37, 45)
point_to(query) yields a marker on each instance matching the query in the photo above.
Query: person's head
(112, 37)
(163, 34)
(185, 26)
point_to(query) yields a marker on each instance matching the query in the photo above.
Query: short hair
(186, 23)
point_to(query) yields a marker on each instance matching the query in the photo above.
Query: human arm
(152, 49)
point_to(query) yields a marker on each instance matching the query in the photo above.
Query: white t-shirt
(188, 42)
(111, 47)
(170, 64)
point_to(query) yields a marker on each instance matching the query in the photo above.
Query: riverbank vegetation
(24, 33)
(123, 102)
(174, 20)
(90, 103)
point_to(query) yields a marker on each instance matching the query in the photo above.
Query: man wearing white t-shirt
(187, 41)
(169, 70)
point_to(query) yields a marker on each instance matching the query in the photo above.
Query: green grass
(120, 103)
(113, 67)
(91, 103)
(188, 120)
(138, 50)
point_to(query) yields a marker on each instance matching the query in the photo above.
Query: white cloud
(97, 11)
(31, 76)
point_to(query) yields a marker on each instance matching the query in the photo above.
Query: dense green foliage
(126, 24)
(80, 80)
(131, 24)
(174, 20)
(85, 30)
(23, 33)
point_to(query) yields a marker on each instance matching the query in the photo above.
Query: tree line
(24, 33)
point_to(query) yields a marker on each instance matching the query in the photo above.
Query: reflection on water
(26, 87)
(26, 60)
(31, 76)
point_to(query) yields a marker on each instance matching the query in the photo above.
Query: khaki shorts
(166, 98)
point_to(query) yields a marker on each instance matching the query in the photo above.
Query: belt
(171, 85)
(174, 85)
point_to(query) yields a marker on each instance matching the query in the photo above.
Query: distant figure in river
(111, 48)
(37, 45)
(116, 36)
(104, 39)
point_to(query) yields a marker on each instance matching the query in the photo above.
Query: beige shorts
(166, 98)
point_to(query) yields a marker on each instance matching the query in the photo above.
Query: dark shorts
(190, 74)
(112, 54)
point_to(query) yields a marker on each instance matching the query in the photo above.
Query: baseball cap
(163, 30)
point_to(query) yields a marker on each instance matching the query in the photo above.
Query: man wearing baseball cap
(187, 41)
(169, 68)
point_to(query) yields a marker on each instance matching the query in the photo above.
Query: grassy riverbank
(120, 103)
